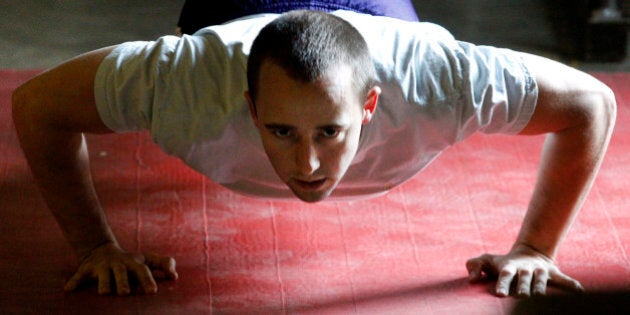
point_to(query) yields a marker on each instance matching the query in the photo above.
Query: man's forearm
(59, 162)
(70, 194)
(570, 161)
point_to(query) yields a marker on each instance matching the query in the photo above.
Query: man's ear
(252, 107)
(369, 107)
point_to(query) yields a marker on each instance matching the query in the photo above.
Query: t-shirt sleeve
(499, 92)
(184, 90)
(445, 89)
(125, 83)
(460, 88)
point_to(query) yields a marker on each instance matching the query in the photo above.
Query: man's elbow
(32, 108)
(593, 109)
(21, 107)
(604, 109)
(31, 113)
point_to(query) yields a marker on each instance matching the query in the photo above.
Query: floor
(402, 253)
(42, 33)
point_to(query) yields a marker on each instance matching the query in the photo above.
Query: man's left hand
(528, 269)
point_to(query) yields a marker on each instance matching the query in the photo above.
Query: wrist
(84, 253)
(524, 247)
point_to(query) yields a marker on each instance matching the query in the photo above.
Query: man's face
(310, 131)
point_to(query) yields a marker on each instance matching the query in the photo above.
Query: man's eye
(282, 133)
(330, 132)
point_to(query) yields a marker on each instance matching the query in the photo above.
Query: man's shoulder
(243, 29)
(373, 25)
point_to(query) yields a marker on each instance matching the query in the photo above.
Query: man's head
(311, 87)
(308, 43)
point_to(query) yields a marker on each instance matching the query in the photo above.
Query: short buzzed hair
(307, 44)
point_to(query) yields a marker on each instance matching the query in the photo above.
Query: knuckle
(524, 273)
(505, 273)
(118, 266)
(471, 264)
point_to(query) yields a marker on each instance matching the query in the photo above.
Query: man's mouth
(311, 185)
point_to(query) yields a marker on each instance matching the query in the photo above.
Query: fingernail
(151, 290)
(502, 292)
(124, 291)
(473, 275)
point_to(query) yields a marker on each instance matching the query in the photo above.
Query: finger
(122, 281)
(145, 278)
(539, 287)
(504, 281)
(169, 267)
(75, 281)
(524, 283)
(474, 269)
(165, 264)
(104, 282)
(561, 280)
(477, 266)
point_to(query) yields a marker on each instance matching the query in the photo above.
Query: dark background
(42, 33)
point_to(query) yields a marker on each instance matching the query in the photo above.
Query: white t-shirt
(436, 91)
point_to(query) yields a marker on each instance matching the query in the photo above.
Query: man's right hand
(111, 267)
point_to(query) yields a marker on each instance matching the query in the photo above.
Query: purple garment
(198, 14)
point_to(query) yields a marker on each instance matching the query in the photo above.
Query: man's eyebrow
(283, 126)
(331, 126)
(278, 126)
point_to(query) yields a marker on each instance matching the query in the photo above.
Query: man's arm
(51, 112)
(578, 114)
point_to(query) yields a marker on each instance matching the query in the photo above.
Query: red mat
(402, 253)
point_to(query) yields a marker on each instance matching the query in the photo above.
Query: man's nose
(306, 158)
